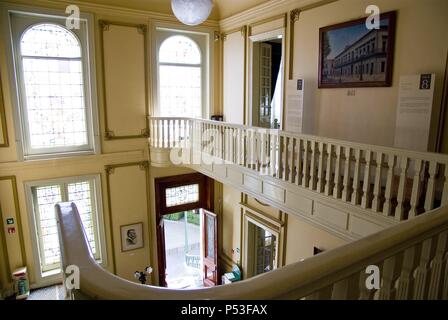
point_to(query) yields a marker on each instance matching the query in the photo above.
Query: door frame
(206, 201)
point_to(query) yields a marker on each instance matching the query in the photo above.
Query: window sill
(63, 155)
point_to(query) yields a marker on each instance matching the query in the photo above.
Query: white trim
(266, 36)
(51, 278)
(206, 60)
(262, 222)
(89, 73)
(262, 11)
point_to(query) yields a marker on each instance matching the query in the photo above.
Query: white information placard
(294, 105)
(414, 110)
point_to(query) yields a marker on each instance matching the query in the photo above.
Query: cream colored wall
(421, 47)
(302, 237)
(369, 117)
(128, 194)
(231, 227)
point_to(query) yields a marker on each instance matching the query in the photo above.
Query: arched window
(180, 78)
(54, 87)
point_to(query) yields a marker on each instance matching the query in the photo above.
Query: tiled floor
(49, 293)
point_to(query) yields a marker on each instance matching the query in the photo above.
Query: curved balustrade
(395, 183)
(412, 257)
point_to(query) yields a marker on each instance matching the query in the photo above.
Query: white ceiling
(222, 9)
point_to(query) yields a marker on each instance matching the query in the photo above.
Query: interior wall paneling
(9, 201)
(128, 209)
(4, 142)
(125, 84)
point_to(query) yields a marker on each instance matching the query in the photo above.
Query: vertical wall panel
(128, 195)
(233, 77)
(125, 79)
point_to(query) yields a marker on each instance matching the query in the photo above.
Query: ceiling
(222, 9)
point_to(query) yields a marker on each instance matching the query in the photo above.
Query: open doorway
(186, 232)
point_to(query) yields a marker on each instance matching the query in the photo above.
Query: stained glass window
(182, 195)
(54, 87)
(82, 193)
(180, 78)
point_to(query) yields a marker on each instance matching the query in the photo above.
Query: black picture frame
(352, 56)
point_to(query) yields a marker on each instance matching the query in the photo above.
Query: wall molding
(115, 10)
(5, 139)
(18, 217)
(104, 26)
(267, 7)
(110, 170)
(116, 157)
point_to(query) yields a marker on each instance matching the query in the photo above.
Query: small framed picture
(131, 237)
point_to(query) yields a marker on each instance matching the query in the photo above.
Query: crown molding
(264, 10)
(107, 9)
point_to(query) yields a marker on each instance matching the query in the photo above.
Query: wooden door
(210, 248)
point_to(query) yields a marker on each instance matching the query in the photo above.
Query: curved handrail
(293, 281)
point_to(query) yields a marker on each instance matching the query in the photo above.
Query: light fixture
(192, 12)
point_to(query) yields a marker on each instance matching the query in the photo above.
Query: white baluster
(387, 287)
(312, 183)
(376, 203)
(405, 281)
(306, 177)
(431, 188)
(320, 169)
(329, 173)
(399, 211)
(387, 208)
(347, 172)
(366, 196)
(416, 187)
(436, 266)
(421, 273)
(356, 195)
(337, 174)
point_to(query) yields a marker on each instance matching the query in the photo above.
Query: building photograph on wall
(356, 54)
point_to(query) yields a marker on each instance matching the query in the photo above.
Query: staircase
(412, 258)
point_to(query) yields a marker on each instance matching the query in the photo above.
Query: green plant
(193, 218)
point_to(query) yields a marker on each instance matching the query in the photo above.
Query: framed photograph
(131, 237)
(351, 55)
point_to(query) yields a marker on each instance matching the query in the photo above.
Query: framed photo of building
(353, 55)
(131, 237)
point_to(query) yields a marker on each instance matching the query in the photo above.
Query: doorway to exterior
(186, 232)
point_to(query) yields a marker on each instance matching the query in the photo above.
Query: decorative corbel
(293, 18)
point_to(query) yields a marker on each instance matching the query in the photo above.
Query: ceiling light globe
(192, 12)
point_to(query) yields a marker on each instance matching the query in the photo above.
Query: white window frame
(163, 31)
(86, 37)
(44, 277)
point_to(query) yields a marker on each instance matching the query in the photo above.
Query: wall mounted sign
(415, 104)
(294, 105)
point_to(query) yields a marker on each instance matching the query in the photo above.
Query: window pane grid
(80, 193)
(182, 195)
(181, 94)
(46, 199)
(53, 89)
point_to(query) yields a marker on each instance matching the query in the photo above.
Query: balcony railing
(395, 183)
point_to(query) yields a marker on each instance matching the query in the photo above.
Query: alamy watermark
(73, 20)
